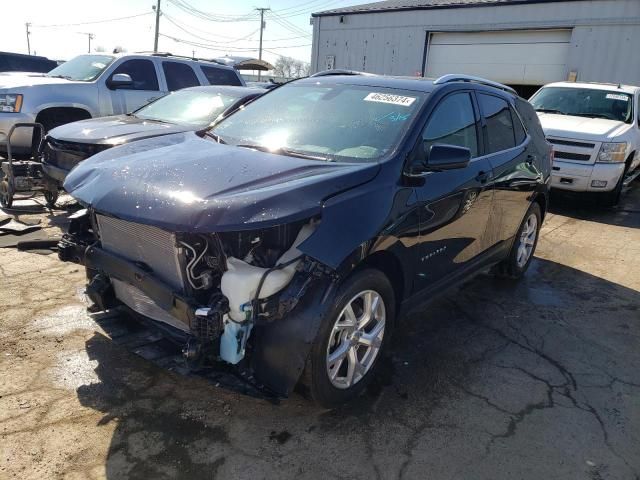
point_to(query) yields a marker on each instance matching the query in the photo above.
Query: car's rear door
(513, 161)
(455, 204)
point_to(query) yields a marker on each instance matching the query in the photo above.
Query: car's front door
(455, 204)
(143, 89)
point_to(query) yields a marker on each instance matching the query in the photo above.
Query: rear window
(179, 75)
(221, 76)
(499, 127)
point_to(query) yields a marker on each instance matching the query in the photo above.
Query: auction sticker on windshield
(388, 98)
(615, 96)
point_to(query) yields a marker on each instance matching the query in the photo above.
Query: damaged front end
(249, 299)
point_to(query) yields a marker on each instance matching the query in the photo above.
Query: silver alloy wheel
(527, 240)
(356, 339)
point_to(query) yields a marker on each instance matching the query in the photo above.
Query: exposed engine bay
(210, 290)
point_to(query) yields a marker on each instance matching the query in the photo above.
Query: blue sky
(213, 27)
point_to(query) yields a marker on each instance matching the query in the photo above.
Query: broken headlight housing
(10, 102)
(612, 153)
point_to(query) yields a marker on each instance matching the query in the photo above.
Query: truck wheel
(351, 339)
(524, 245)
(611, 199)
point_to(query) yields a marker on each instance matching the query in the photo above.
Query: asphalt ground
(536, 379)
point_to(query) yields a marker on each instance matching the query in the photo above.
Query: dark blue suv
(287, 240)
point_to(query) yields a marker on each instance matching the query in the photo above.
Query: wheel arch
(74, 112)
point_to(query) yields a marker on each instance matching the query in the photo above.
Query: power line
(93, 22)
(210, 16)
(207, 39)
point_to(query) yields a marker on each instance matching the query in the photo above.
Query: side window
(142, 72)
(452, 123)
(220, 76)
(179, 75)
(518, 128)
(499, 129)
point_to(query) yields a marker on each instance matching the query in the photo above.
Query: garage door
(516, 57)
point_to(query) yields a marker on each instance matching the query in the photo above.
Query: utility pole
(261, 10)
(28, 33)
(90, 36)
(155, 41)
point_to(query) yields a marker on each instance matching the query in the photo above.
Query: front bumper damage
(282, 329)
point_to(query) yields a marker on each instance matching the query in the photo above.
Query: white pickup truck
(595, 132)
(97, 85)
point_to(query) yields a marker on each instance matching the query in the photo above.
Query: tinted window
(142, 72)
(518, 128)
(179, 75)
(499, 129)
(452, 123)
(220, 76)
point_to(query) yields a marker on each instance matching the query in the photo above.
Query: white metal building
(523, 43)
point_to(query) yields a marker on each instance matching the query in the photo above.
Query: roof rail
(328, 73)
(457, 77)
(171, 55)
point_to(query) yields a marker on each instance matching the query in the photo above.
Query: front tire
(351, 339)
(524, 245)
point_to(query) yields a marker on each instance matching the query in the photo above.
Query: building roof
(395, 5)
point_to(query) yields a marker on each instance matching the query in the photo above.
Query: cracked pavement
(493, 380)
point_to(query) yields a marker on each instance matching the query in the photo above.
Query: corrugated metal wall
(604, 44)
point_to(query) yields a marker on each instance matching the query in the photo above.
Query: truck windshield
(585, 102)
(192, 107)
(350, 123)
(83, 68)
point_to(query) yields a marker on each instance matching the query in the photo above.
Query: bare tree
(288, 67)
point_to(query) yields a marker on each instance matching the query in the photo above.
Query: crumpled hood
(583, 128)
(33, 79)
(185, 183)
(114, 130)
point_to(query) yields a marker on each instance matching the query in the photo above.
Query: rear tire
(351, 339)
(524, 245)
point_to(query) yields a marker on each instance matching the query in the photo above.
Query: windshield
(83, 68)
(325, 122)
(585, 102)
(188, 107)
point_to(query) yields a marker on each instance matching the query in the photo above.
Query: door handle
(483, 177)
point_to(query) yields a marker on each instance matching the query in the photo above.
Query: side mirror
(447, 157)
(119, 80)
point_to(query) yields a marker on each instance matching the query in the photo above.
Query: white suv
(97, 85)
(595, 132)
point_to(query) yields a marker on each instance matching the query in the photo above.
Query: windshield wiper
(550, 110)
(66, 77)
(284, 151)
(215, 136)
(592, 115)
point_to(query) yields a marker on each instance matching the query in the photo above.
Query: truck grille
(151, 246)
(566, 149)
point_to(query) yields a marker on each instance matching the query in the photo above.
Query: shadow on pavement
(585, 206)
(530, 379)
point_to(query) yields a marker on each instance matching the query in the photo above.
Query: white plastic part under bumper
(583, 178)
